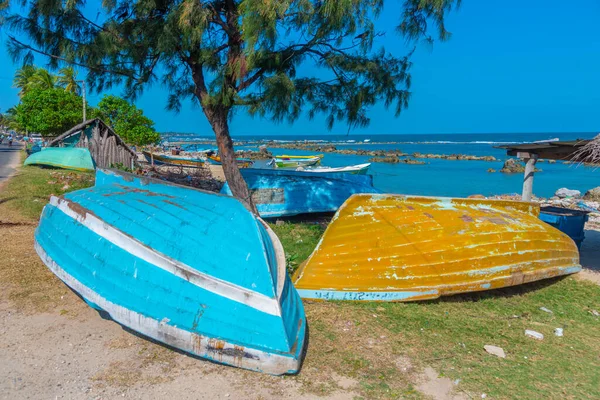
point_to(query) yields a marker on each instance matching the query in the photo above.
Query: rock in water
(512, 166)
(495, 350)
(564, 193)
(592, 194)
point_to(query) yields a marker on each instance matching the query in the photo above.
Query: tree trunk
(218, 120)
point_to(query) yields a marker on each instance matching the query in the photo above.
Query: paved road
(9, 159)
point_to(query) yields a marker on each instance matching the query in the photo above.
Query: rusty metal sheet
(401, 248)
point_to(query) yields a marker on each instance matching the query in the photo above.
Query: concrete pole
(528, 177)
(84, 105)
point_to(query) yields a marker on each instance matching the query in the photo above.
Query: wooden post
(530, 160)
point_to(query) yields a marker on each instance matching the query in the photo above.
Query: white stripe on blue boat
(226, 289)
(202, 346)
(191, 269)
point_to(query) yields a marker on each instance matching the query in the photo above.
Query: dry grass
(29, 284)
(382, 347)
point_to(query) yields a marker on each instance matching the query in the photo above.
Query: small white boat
(359, 169)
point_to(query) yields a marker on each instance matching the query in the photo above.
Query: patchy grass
(369, 341)
(298, 240)
(380, 346)
(29, 190)
(33, 287)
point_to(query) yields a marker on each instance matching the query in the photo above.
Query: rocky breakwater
(396, 160)
(329, 148)
(388, 155)
(458, 157)
(261, 154)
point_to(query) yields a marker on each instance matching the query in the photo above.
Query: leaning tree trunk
(218, 120)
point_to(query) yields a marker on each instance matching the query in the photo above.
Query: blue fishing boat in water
(279, 193)
(191, 269)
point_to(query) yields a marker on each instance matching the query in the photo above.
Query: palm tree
(23, 79)
(42, 79)
(67, 79)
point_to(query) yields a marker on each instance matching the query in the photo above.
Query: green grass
(29, 190)
(449, 334)
(298, 240)
(366, 341)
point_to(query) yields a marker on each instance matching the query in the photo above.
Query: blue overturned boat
(191, 269)
(280, 193)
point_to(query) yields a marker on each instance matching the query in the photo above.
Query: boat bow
(400, 248)
(191, 269)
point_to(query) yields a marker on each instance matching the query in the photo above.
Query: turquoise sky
(511, 66)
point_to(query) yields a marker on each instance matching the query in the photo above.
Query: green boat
(297, 161)
(75, 158)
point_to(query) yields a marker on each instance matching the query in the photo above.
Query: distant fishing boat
(359, 169)
(402, 248)
(241, 162)
(74, 158)
(191, 269)
(278, 193)
(164, 159)
(296, 161)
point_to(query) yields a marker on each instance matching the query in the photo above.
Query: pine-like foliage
(227, 53)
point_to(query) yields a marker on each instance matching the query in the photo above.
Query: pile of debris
(199, 178)
(567, 198)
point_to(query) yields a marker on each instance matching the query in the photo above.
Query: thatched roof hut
(589, 153)
(106, 147)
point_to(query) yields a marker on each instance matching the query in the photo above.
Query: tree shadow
(590, 250)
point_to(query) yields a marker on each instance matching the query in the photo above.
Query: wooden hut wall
(107, 149)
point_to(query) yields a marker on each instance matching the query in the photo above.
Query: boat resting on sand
(191, 269)
(165, 159)
(74, 158)
(359, 169)
(296, 161)
(402, 248)
(280, 193)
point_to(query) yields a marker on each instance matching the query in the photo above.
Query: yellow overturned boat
(403, 248)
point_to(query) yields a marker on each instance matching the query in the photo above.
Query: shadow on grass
(7, 199)
(506, 292)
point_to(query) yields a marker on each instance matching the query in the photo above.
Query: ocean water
(444, 177)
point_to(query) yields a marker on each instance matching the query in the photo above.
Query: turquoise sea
(442, 177)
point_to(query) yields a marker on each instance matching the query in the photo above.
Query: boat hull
(403, 248)
(241, 162)
(297, 162)
(360, 169)
(151, 274)
(73, 158)
(281, 193)
(160, 159)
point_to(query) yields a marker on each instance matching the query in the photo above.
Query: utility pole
(83, 95)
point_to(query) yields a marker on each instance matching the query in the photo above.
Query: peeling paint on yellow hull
(404, 248)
